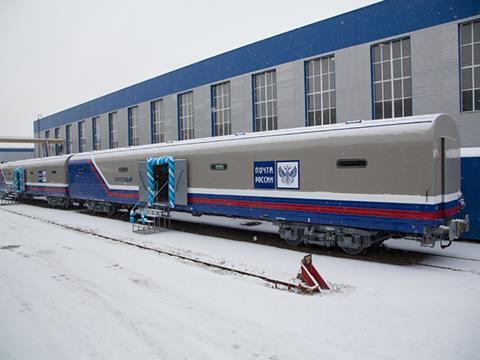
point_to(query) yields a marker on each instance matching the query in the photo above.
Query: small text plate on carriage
(264, 174)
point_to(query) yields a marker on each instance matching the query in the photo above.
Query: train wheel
(353, 251)
(112, 211)
(292, 235)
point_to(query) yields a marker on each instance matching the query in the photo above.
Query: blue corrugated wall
(471, 192)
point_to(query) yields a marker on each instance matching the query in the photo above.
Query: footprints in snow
(60, 277)
(9, 247)
(140, 282)
(114, 266)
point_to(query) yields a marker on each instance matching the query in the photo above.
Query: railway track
(273, 282)
(383, 254)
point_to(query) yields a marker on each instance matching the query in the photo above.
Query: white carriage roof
(61, 159)
(420, 122)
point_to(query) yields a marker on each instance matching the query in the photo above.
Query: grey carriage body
(403, 158)
(56, 168)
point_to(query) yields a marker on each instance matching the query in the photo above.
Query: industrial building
(391, 59)
(394, 58)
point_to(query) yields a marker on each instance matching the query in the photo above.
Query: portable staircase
(150, 220)
(153, 218)
(7, 197)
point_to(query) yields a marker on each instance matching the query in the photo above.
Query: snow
(470, 152)
(67, 295)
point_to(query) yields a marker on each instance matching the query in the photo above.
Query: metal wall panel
(290, 95)
(202, 114)
(353, 83)
(144, 126)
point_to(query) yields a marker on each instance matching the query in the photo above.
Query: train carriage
(351, 185)
(45, 177)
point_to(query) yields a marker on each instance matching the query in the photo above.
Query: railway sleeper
(351, 240)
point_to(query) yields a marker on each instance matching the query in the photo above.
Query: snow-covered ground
(67, 295)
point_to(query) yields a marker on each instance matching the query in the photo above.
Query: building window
(82, 141)
(68, 135)
(57, 146)
(392, 79)
(133, 138)
(265, 98)
(470, 65)
(321, 101)
(48, 149)
(113, 129)
(185, 116)
(158, 121)
(96, 136)
(221, 110)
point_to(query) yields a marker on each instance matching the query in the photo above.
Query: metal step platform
(151, 220)
(7, 198)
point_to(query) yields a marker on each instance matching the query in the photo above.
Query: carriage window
(123, 169)
(351, 163)
(217, 167)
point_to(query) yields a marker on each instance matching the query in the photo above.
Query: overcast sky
(56, 54)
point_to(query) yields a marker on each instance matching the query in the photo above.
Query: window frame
(113, 130)
(68, 139)
(189, 117)
(274, 100)
(392, 79)
(331, 90)
(82, 138)
(96, 136)
(56, 134)
(472, 66)
(225, 98)
(133, 115)
(47, 148)
(157, 137)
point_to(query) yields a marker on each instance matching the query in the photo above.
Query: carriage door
(163, 181)
(19, 180)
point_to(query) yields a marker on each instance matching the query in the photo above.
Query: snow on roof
(470, 152)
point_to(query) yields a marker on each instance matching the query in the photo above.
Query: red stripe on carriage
(400, 214)
(46, 189)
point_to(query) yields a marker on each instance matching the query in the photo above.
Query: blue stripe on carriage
(339, 203)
